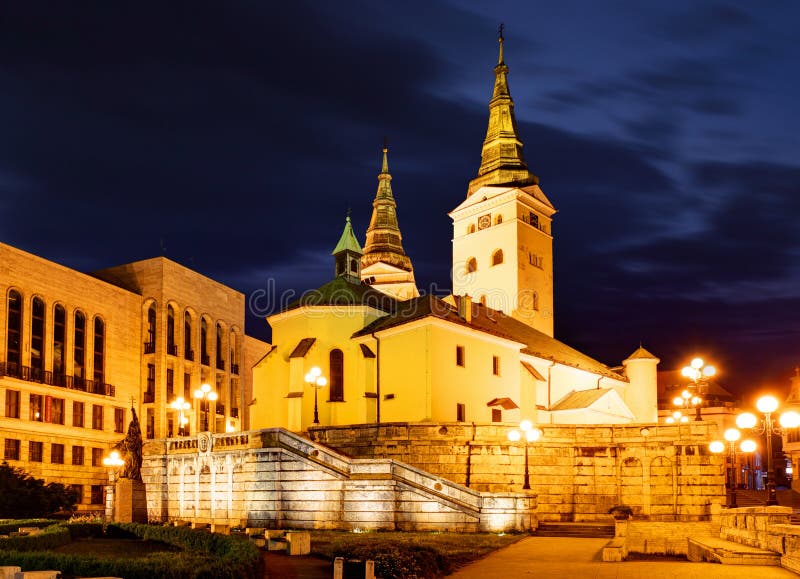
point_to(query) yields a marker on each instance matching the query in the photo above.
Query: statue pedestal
(130, 501)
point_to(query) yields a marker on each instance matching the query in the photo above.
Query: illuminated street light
(316, 380)
(532, 434)
(204, 396)
(767, 405)
(731, 435)
(699, 374)
(181, 406)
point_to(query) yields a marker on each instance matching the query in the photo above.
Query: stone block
(299, 542)
(9, 572)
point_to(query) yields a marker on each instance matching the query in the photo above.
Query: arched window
(172, 348)
(79, 349)
(59, 342)
(471, 228)
(234, 360)
(220, 354)
(498, 220)
(337, 375)
(14, 332)
(204, 357)
(37, 338)
(150, 345)
(497, 257)
(188, 353)
(99, 350)
(536, 301)
(472, 265)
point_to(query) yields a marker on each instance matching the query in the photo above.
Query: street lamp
(181, 405)
(698, 373)
(316, 380)
(204, 395)
(791, 419)
(532, 434)
(113, 462)
(731, 435)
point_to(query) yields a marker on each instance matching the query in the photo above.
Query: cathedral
(366, 347)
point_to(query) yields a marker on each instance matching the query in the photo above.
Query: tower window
(496, 365)
(497, 415)
(460, 356)
(461, 412)
(150, 345)
(471, 228)
(472, 265)
(498, 220)
(336, 360)
(497, 257)
(533, 219)
(535, 260)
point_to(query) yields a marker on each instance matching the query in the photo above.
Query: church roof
(343, 292)
(485, 319)
(671, 382)
(579, 399)
(384, 241)
(348, 240)
(302, 348)
(641, 354)
(501, 157)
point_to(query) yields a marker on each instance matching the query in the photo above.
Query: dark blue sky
(666, 134)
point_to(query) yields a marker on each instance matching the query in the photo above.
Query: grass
(115, 548)
(450, 550)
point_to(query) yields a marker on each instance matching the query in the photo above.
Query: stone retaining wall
(275, 479)
(577, 472)
(662, 538)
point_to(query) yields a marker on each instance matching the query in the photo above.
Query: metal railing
(14, 370)
(149, 347)
(205, 359)
(220, 364)
(235, 369)
(149, 397)
(189, 355)
(172, 349)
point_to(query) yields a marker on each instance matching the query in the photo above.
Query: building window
(79, 349)
(78, 490)
(119, 420)
(533, 219)
(220, 356)
(535, 260)
(497, 415)
(172, 347)
(97, 417)
(59, 342)
(57, 453)
(336, 359)
(99, 351)
(461, 412)
(77, 414)
(14, 332)
(234, 359)
(497, 257)
(472, 265)
(37, 408)
(496, 365)
(55, 410)
(460, 357)
(471, 228)
(536, 301)
(97, 457)
(150, 344)
(12, 403)
(150, 393)
(188, 353)
(37, 338)
(77, 455)
(97, 495)
(204, 357)
(150, 423)
(498, 220)
(35, 451)
(170, 383)
(11, 449)
(187, 386)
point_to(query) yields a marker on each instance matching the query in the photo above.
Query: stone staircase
(594, 530)
(786, 498)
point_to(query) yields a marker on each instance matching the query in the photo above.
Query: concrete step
(585, 530)
(716, 550)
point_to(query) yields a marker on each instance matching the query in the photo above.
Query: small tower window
(461, 412)
(460, 357)
(498, 220)
(496, 365)
(497, 415)
(336, 360)
(497, 257)
(471, 228)
(472, 265)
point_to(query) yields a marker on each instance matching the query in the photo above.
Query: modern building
(78, 351)
(484, 354)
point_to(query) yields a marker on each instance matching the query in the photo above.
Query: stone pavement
(556, 557)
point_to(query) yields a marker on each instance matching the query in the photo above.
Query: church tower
(347, 254)
(502, 236)
(385, 265)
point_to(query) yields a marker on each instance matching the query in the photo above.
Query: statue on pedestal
(131, 449)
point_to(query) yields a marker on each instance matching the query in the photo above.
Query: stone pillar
(130, 501)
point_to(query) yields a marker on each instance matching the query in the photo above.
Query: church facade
(486, 354)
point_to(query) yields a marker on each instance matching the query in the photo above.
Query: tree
(23, 496)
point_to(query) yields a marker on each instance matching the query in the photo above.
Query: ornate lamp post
(698, 372)
(113, 462)
(181, 405)
(204, 396)
(531, 434)
(731, 436)
(767, 405)
(316, 380)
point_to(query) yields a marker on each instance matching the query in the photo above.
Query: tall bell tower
(502, 232)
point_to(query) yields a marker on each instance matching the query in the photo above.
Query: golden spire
(384, 242)
(501, 157)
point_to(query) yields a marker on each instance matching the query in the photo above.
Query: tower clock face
(484, 221)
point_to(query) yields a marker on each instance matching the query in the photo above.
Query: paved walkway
(556, 557)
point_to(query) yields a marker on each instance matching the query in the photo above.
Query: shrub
(397, 561)
(50, 538)
(23, 496)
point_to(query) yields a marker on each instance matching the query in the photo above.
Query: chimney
(465, 308)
